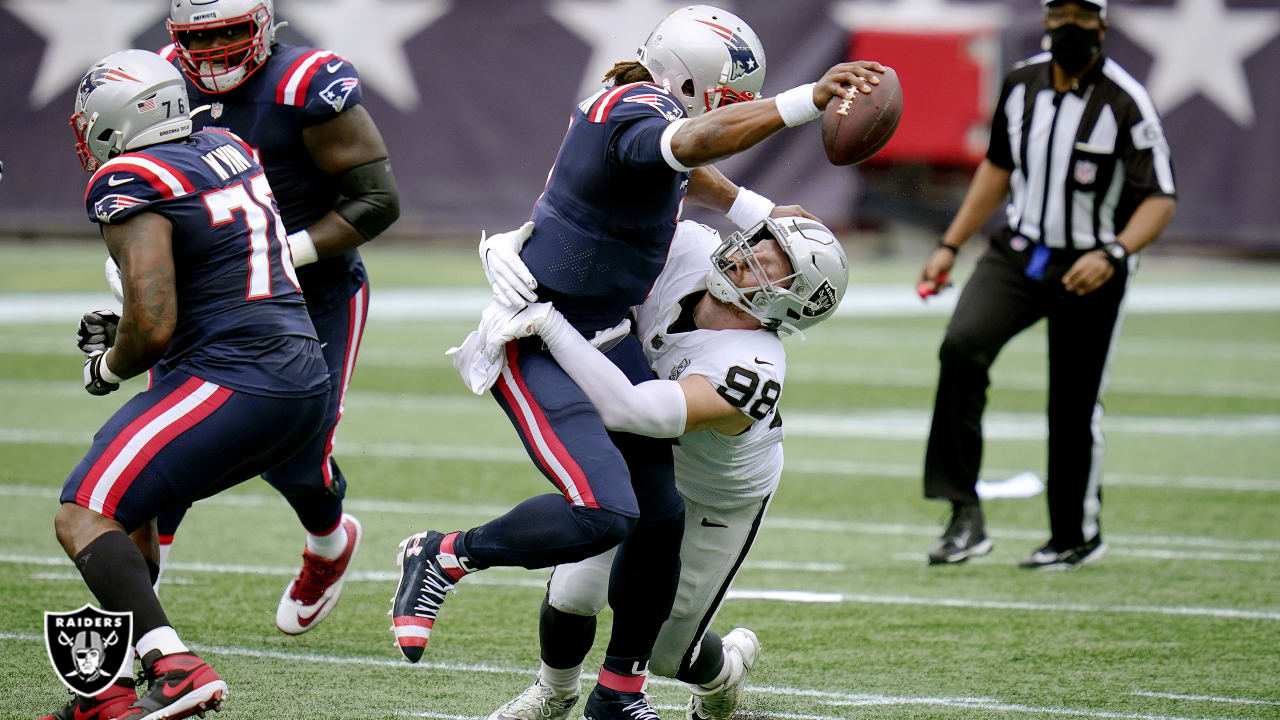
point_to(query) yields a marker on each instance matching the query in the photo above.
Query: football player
(299, 109)
(599, 237)
(211, 301)
(710, 329)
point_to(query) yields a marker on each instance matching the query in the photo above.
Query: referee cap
(1100, 4)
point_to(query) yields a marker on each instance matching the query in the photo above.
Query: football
(854, 130)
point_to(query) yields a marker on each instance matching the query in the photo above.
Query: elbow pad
(371, 201)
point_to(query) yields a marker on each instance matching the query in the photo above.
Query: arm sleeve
(998, 151)
(334, 87)
(1148, 163)
(746, 367)
(655, 408)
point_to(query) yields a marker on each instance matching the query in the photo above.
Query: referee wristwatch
(1117, 255)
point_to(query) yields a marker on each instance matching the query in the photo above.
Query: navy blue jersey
(297, 86)
(604, 224)
(242, 322)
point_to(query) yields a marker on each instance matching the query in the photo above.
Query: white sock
(567, 681)
(164, 639)
(328, 546)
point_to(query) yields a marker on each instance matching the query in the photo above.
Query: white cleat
(311, 596)
(741, 649)
(537, 702)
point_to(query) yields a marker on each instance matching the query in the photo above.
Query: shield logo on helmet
(88, 647)
(821, 301)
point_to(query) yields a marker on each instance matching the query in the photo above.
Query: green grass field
(1180, 621)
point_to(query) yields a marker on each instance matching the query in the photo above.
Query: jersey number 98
(740, 385)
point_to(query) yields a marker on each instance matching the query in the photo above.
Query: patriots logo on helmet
(111, 205)
(821, 301)
(99, 77)
(662, 103)
(742, 57)
(337, 91)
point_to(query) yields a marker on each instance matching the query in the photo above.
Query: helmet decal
(741, 56)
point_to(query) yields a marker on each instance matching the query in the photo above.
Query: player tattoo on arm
(143, 245)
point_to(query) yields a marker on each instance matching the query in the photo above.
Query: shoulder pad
(637, 100)
(125, 185)
(319, 82)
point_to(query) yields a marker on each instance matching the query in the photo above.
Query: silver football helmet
(222, 68)
(819, 274)
(128, 100)
(705, 57)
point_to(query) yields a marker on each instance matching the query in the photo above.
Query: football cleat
(607, 704)
(1047, 558)
(182, 685)
(537, 702)
(311, 596)
(965, 536)
(428, 570)
(741, 649)
(106, 705)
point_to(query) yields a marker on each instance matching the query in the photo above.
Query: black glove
(97, 331)
(98, 378)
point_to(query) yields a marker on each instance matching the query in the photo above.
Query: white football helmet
(219, 69)
(819, 274)
(128, 100)
(705, 57)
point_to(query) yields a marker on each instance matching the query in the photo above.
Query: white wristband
(667, 153)
(302, 248)
(749, 209)
(796, 105)
(105, 372)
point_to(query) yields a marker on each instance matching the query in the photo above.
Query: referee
(1078, 150)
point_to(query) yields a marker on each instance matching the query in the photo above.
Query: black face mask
(1073, 47)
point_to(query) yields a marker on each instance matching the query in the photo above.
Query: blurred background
(472, 98)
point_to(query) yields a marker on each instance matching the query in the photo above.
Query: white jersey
(745, 366)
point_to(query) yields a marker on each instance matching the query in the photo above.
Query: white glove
(98, 378)
(113, 279)
(480, 357)
(513, 285)
(503, 326)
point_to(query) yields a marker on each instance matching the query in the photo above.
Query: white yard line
(772, 595)
(1204, 698)
(436, 508)
(831, 698)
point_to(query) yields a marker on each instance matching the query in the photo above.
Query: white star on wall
(919, 16)
(1200, 46)
(78, 33)
(613, 28)
(371, 34)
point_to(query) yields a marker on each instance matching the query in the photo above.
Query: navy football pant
(616, 489)
(184, 439)
(311, 480)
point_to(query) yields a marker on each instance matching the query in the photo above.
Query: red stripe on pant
(157, 443)
(357, 309)
(547, 433)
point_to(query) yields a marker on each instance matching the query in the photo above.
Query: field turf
(1180, 621)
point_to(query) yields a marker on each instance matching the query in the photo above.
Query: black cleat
(428, 570)
(1047, 558)
(965, 536)
(607, 704)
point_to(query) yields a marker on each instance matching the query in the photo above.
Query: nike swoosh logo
(112, 181)
(333, 67)
(708, 523)
(172, 691)
(305, 620)
(762, 362)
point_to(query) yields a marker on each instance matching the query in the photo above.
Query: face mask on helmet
(128, 100)
(221, 44)
(807, 290)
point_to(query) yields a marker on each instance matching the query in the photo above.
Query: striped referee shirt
(1080, 161)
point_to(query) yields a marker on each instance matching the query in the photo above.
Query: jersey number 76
(262, 221)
